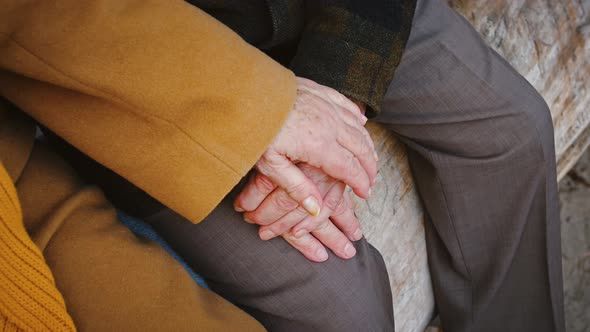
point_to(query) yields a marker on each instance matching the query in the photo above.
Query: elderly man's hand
(335, 227)
(326, 130)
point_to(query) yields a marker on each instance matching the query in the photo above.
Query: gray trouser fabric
(481, 150)
(480, 145)
(277, 285)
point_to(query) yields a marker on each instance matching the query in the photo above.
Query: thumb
(290, 178)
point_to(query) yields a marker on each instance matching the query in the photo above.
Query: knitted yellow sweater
(29, 300)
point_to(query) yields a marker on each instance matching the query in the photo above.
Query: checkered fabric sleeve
(354, 46)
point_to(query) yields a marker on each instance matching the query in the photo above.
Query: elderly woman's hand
(298, 191)
(326, 130)
(279, 215)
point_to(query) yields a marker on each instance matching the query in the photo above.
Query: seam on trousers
(459, 244)
(554, 301)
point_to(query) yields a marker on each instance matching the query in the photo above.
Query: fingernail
(369, 193)
(311, 205)
(365, 119)
(246, 219)
(300, 233)
(358, 234)
(376, 156)
(349, 250)
(238, 209)
(322, 254)
(266, 235)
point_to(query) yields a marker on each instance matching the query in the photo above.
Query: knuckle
(285, 203)
(302, 243)
(322, 226)
(341, 207)
(304, 226)
(339, 166)
(296, 189)
(333, 203)
(367, 147)
(313, 173)
(354, 169)
(263, 184)
(308, 246)
(288, 235)
(279, 227)
(352, 227)
(300, 212)
(348, 224)
(307, 169)
(366, 150)
(263, 165)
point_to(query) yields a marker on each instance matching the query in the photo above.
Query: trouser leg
(277, 285)
(480, 145)
(110, 279)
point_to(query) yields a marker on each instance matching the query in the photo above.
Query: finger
(338, 206)
(297, 216)
(279, 206)
(285, 223)
(333, 237)
(363, 149)
(274, 207)
(342, 101)
(266, 213)
(345, 219)
(290, 178)
(324, 230)
(351, 117)
(353, 108)
(357, 137)
(309, 246)
(342, 165)
(363, 132)
(329, 235)
(369, 139)
(258, 187)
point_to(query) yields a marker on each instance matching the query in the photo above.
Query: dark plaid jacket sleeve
(354, 46)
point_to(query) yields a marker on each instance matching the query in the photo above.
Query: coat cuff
(352, 53)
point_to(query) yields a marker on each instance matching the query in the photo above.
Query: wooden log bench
(546, 41)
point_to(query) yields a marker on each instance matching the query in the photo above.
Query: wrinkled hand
(335, 227)
(326, 130)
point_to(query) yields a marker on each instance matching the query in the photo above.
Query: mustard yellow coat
(157, 91)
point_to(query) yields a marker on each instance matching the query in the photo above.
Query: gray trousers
(480, 146)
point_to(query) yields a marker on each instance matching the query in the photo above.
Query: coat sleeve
(157, 91)
(354, 46)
